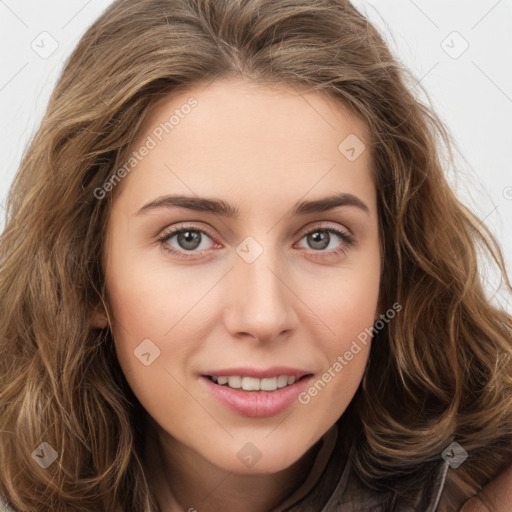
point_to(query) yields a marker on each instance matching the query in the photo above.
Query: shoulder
(495, 497)
(352, 493)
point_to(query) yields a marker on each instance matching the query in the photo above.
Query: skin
(495, 497)
(261, 149)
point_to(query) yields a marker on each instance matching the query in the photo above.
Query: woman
(234, 276)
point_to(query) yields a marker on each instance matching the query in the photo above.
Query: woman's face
(258, 283)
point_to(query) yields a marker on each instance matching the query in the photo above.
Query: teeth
(271, 384)
(250, 384)
(235, 382)
(282, 381)
(254, 384)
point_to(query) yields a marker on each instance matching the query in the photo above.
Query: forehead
(277, 110)
(233, 136)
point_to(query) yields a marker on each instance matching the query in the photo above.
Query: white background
(472, 93)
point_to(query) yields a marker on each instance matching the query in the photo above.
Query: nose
(261, 301)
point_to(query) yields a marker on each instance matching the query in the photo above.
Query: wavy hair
(440, 371)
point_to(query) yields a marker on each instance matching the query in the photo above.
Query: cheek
(148, 298)
(144, 311)
(154, 338)
(345, 358)
(348, 308)
(348, 301)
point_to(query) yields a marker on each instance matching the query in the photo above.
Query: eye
(190, 238)
(321, 237)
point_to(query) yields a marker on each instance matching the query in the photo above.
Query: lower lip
(257, 404)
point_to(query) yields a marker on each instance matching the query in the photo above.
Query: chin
(254, 459)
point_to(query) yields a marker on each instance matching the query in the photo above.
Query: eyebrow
(220, 207)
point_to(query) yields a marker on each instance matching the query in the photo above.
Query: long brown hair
(440, 371)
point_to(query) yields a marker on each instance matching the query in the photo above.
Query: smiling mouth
(255, 384)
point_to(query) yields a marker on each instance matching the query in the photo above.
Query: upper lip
(259, 373)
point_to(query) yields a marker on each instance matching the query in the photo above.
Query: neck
(181, 479)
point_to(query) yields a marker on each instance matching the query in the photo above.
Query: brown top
(332, 488)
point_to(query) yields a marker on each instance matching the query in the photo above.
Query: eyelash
(347, 238)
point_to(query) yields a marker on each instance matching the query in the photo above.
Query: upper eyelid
(323, 225)
(172, 231)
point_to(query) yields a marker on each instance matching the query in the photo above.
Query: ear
(98, 319)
